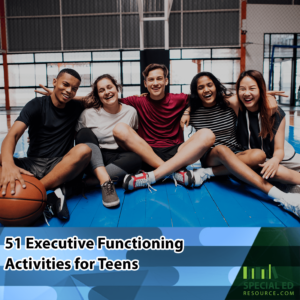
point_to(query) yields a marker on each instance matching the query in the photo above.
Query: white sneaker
(183, 177)
(199, 177)
(290, 202)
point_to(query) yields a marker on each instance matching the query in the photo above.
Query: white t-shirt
(102, 123)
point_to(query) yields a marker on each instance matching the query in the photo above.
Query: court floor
(218, 202)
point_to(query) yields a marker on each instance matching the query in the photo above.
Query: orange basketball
(25, 206)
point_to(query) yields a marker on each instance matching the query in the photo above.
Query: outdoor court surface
(218, 202)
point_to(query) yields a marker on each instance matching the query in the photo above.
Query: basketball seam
(27, 198)
(38, 209)
(3, 218)
(35, 186)
(10, 198)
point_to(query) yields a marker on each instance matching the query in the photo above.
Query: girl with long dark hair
(213, 107)
(259, 130)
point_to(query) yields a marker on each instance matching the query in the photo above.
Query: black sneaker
(57, 206)
(109, 195)
(62, 211)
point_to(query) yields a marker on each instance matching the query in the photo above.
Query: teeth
(207, 96)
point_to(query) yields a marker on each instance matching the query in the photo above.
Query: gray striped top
(221, 122)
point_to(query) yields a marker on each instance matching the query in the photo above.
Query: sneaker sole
(197, 184)
(125, 182)
(190, 179)
(110, 204)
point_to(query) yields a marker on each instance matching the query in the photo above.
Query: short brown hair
(152, 67)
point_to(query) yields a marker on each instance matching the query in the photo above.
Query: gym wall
(70, 25)
(263, 19)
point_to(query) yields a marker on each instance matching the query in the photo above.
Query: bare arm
(185, 119)
(279, 141)
(234, 103)
(272, 103)
(272, 100)
(10, 172)
(271, 166)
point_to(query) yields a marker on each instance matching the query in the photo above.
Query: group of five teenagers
(213, 107)
(51, 156)
(95, 128)
(159, 141)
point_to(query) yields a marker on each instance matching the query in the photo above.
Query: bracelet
(186, 114)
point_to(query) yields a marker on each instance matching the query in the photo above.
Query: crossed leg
(234, 165)
(188, 153)
(72, 164)
(286, 175)
(129, 140)
(252, 158)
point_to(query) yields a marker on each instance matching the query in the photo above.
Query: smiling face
(65, 88)
(156, 83)
(249, 93)
(107, 92)
(207, 91)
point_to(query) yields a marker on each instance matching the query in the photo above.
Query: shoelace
(109, 188)
(48, 214)
(292, 208)
(174, 178)
(205, 177)
(150, 187)
(145, 182)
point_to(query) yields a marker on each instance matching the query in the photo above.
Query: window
(281, 70)
(224, 63)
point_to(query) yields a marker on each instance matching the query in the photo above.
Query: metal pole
(121, 34)
(141, 13)
(166, 25)
(243, 35)
(293, 79)
(4, 53)
(61, 27)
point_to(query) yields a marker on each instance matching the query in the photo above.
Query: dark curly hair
(222, 92)
(93, 99)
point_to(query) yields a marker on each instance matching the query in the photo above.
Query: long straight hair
(93, 97)
(222, 92)
(267, 120)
